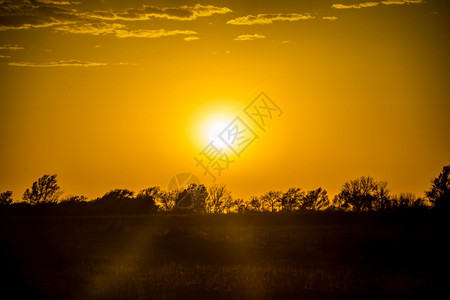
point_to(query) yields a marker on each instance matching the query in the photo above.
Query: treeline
(361, 194)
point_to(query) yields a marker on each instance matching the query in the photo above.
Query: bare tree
(6, 198)
(45, 190)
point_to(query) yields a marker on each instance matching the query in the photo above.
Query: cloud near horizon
(269, 18)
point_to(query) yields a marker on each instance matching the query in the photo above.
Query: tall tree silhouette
(439, 193)
(6, 198)
(45, 190)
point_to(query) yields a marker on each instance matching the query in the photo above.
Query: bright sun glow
(214, 133)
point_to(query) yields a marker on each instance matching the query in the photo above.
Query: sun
(215, 130)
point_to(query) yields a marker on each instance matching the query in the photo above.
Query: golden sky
(124, 94)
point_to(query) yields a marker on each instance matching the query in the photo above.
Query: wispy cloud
(151, 34)
(249, 37)
(372, 4)
(331, 18)
(268, 18)
(11, 47)
(400, 2)
(147, 12)
(191, 38)
(4, 56)
(120, 30)
(357, 6)
(54, 2)
(61, 63)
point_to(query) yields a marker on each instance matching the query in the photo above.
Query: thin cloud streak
(269, 18)
(249, 37)
(61, 63)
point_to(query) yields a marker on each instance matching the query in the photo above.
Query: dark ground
(308, 256)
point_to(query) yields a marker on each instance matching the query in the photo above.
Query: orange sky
(123, 94)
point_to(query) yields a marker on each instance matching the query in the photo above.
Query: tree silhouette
(404, 200)
(361, 194)
(439, 193)
(6, 198)
(290, 200)
(146, 199)
(117, 201)
(315, 200)
(166, 200)
(192, 199)
(219, 199)
(116, 195)
(254, 204)
(199, 194)
(240, 205)
(73, 199)
(382, 198)
(271, 200)
(45, 190)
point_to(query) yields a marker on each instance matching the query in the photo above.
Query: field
(289, 256)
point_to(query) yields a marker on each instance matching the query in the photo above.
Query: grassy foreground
(313, 256)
